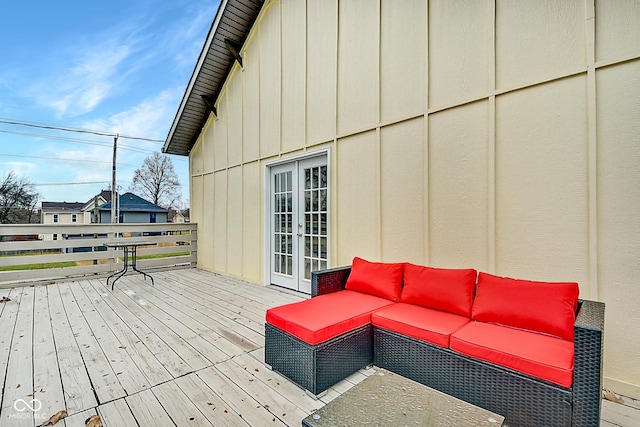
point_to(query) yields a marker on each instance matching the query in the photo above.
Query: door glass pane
(315, 215)
(283, 227)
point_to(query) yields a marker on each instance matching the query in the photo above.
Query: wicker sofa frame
(523, 400)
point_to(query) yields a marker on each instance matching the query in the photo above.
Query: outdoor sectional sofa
(531, 351)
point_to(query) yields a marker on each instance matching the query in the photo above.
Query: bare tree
(157, 181)
(18, 199)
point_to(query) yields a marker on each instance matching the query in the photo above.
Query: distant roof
(232, 23)
(105, 194)
(62, 207)
(129, 202)
(74, 206)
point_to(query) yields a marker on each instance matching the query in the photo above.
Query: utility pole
(114, 191)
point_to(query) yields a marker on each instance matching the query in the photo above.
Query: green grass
(163, 255)
(38, 266)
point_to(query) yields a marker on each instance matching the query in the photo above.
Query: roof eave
(233, 16)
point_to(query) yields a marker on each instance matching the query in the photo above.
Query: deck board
(102, 373)
(47, 383)
(73, 372)
(179, 406)
(187, 351)
(147, 410)
(18, 382)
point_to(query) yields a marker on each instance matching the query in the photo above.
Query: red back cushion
(443, 289)
(543, 307)
(376, 278)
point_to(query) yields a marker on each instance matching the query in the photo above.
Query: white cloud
(84, 85)
(151, 118)
(21, 169)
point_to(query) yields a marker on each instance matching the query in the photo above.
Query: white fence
(28, 252)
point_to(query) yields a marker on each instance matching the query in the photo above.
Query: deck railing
(46, 252)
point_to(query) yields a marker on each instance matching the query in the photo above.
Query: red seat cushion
(376, 278)
(543, 307)
(319, 319)
(423, 323)
(539, 355)
(440, 288)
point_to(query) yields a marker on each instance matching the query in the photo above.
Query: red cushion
(319, 319)
(423, 323)
(376, 278)
(443, 289)
(539, 355)
(537, 306)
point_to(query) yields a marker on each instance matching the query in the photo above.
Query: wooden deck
(188, 351)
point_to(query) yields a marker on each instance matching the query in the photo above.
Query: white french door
(299, 222)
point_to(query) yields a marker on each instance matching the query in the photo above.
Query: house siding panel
(537, 40)
(459, 55)
(616, 26)
(270, 79)
(220, 226)
(252, 222)
(458, 187)
(358, 193)
(358, 65)
(250, 102)
(618, 226)
(403, 190)
(402, 59)
(219, 137)
(293, 74)
(322, 57)
(234, 221)
(234, 116)
(542, 182)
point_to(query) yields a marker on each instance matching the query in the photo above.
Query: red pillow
(545, 307)
(440, 288)
(376, 278)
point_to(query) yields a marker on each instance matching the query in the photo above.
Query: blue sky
(118, 66)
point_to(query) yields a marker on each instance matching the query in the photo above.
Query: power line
(52, 184)
(79, 141)
(77, 130)
(63, 159)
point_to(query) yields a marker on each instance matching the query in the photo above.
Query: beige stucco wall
(501, 135)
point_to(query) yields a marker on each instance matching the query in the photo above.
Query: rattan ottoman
(318, 367)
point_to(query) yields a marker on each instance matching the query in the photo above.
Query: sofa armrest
(327, 281)
(587, 371)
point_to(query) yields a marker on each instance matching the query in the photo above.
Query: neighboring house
(90, 209)
(496, 135)
(134, 209)
(178, 218)
(65, 213)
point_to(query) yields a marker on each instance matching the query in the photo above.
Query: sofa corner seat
(322, 340)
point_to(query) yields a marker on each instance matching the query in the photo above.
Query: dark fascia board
(184, 133)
